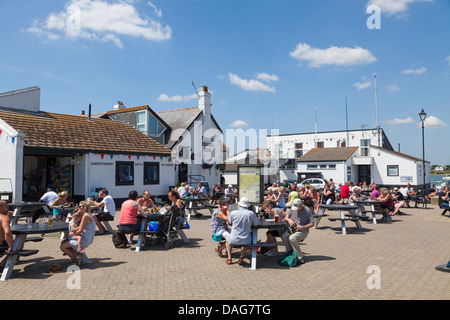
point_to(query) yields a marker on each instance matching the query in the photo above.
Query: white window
(364, 148)
(141, 123)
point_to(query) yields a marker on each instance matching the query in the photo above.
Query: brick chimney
(119, 105)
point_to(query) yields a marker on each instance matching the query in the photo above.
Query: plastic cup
(30, 223)
(277, 219)
(50, 222)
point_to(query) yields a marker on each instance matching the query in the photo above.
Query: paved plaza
(383, 261)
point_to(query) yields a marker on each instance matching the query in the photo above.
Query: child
(73, 227)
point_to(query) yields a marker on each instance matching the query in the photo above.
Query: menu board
(250, 183)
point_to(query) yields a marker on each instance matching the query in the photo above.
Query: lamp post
(422, 116)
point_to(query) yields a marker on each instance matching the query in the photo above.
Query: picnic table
(342, 208)
(374, 205)
(263, 224)
(21, 231)
(26, 209)
(190, 204)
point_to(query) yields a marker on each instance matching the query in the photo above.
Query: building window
(319, 144)
(392, 171)
(298, 150)
(124, 173)
(364, 148)
(332, 166)
(151, 172)
(280, 150)
(141, 123)
(311, 166)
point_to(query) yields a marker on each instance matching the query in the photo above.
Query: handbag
(217, 236)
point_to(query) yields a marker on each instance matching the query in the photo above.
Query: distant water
(436, 179)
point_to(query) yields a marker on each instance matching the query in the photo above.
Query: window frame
(390, 166)
(123, 163)
(148, 182)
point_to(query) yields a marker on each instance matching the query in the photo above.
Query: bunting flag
(137, 157)
(1, 131)
(12, 139)
(161, 157)
(102, 155)
(112, 155)
(154, 157)
(129, 157)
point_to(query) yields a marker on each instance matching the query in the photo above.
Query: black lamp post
(422, 116)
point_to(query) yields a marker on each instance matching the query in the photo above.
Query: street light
(422, 116)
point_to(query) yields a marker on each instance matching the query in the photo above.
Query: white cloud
(448, 60)
(101, 21)
(432, 122)
(239, 124)
(393, 87)
(415, 71)
(332, 56)
(362, 85)
(400, 121)
(391, 7)
(177, 98)
(250, 85)
(267, 77)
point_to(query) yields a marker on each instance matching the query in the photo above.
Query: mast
(376, 104)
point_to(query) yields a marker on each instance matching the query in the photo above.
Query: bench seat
(34, 239)
(258, 245)
(365, 218)
(344, 219)
(21, 253)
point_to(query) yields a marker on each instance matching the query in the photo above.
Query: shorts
(104, 216)
(130, 228)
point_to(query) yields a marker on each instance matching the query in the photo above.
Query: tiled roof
(127, 109)
(67, 132)
(328, 154)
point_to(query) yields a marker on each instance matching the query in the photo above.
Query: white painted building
(354, 155)
(78, 154)
(192, 134)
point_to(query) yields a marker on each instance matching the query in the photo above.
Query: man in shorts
(109, 209)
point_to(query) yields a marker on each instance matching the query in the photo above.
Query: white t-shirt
(49, 197)
(110, 206)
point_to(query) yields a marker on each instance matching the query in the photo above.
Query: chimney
(89, 112)
(119, 105)
(82, 113)
(204, 101)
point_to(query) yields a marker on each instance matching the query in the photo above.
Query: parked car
(317, 183)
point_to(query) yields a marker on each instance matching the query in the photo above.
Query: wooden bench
(445, 209)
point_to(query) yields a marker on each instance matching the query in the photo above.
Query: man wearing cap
(228, 192)
(242, 221)
(300, 219)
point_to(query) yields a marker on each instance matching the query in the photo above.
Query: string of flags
(102, 155)
(12, 138)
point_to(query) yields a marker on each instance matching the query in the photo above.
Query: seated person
(278, 198)
(329, 196)
(357, 196)
(443, 200)
(399, 200)
(388, 204)
(58, 205)
(146, 202)
(109, 209)
(201, 190)
(242, 221)
(300, 219)
(49, 197)
(128, 222)
(272, 234)
(6, 236)
(315, 199)
(219, 223)
(184, 192)
(229, 191)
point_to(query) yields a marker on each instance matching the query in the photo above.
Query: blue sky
(264, 61)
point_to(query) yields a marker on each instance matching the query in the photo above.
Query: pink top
(128, 213)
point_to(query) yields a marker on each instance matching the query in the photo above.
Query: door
(364, 174)
(182, 172)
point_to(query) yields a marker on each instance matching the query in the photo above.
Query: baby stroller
(167, 232)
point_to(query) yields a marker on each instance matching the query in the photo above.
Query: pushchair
(167, 230)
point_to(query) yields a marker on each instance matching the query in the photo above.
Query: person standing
(345, 192)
